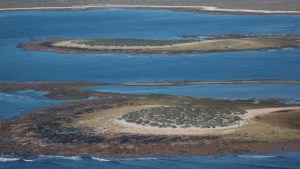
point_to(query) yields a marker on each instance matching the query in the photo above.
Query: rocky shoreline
(53, 131)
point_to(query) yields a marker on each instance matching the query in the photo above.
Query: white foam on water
(28, 160)
(257, 156)
(100, 159)
(70, 158)
(61, 157)
(8, 159)
(147, 158)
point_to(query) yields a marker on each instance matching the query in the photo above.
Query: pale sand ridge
(201, 8)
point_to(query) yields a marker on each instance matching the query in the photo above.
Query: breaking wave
(26, 160)
(61, 157)
(100, 159)
(257, 156)
(8, 159)
(147, 158)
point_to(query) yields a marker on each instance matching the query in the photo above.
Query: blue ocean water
(219, 91)
(156, 24)
(17, 65)
(262, 161)
(15, 103)
(35, 66)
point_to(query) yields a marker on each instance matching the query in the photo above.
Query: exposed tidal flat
(88, 126)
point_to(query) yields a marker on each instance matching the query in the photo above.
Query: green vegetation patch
(131, 42)
(184, 117)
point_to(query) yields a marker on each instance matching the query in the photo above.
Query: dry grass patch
(276, 126)
(288, 119)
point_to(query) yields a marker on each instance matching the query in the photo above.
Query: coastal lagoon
(18, 65)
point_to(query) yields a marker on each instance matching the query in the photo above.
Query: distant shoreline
(196, 9)
(76, 86)
(183, 83)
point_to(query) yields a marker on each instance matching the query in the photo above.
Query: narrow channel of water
(283, 91)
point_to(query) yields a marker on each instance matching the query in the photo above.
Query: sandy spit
(201, 8)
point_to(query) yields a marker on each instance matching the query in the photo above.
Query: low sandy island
(90, 127)
(219, 6)
(227, 44)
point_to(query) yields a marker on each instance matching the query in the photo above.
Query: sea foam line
(61, 157)
(8, 159)
(100, 159)
(147, 158)
(257, 156)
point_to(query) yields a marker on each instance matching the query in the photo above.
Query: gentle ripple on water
(285, 160)
(19, 66)
(284, 91)
(15, 103)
